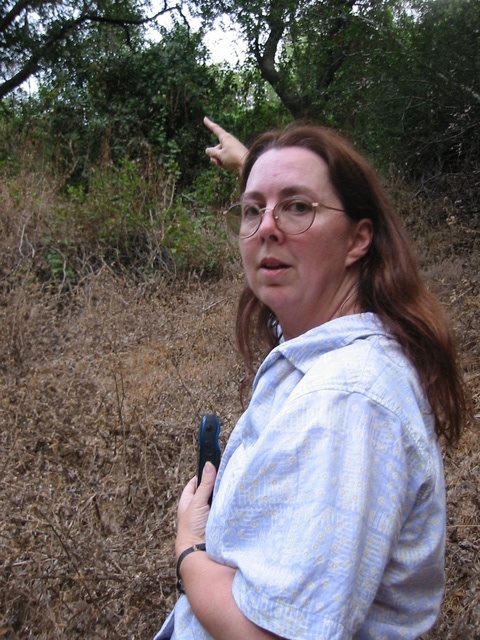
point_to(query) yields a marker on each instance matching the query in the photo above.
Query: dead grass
(101, 392)
(100, 398)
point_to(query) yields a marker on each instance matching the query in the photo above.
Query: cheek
(323, 262)
(331, 245)
(246, 255)
(249, 246)
(317, 254)
(243, 253)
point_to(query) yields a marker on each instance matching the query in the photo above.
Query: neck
(347, 305)
(350, 303)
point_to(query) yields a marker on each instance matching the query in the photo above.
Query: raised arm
(229, 153)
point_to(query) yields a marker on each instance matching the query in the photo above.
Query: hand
(193, 510)
(230, 152)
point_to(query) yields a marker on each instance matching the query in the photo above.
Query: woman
(328, 517)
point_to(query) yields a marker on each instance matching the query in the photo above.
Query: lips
(272, 264)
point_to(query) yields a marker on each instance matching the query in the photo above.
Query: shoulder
(374, 366)
(370, 382)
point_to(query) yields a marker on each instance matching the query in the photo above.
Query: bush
(129, 217)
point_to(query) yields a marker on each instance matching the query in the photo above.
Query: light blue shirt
(329, 499)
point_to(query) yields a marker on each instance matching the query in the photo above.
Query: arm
(208, 584)
(229, 153)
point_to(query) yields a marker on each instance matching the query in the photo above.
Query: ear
(360, 240)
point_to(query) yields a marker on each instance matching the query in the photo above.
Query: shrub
(129, 217)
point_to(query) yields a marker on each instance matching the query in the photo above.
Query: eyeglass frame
(262, 210)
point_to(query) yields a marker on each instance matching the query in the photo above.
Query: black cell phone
(208, 444)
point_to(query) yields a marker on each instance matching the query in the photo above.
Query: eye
(297, 207)
(250, 211)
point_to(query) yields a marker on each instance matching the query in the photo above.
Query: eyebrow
(285, 192)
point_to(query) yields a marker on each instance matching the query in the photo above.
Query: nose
(268, 224)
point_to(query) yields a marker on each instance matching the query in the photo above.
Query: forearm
(208, 586)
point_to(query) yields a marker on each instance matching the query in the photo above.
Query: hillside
(101, 390)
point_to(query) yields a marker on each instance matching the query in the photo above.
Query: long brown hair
(390, 284)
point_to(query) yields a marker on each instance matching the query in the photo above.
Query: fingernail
(208, 468)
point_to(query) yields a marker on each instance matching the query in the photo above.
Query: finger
(190, 488)
(215, 128)
(213, 152)
(205, 488)
(187, 495)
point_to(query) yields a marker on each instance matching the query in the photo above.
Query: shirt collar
(303, 350)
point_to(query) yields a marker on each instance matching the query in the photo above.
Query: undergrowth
(130, 217)
(112, 344)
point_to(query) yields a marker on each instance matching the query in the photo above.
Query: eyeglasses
(293, 216)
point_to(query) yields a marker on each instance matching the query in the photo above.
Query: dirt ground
(101, 392)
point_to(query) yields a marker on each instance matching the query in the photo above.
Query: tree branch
(294, 102)
(34, 63)
(19, 78)
(14, 12)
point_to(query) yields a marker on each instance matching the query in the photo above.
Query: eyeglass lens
(292, 216)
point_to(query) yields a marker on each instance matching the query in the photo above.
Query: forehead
(288, 167)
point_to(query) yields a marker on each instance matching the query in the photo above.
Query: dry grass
(101, 391)
(100, 400)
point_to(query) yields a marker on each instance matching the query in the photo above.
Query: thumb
(212, 152)
(209, 474)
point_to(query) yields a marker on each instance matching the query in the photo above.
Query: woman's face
(304, 279)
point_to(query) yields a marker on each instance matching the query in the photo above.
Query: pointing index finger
(215, 128)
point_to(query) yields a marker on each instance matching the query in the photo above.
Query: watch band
(196, 547)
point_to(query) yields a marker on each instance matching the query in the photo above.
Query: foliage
(49, 36)
(116, 116)
(444, 127)
(401, 77)
(127, 103)
(299, 46)
(129, 217)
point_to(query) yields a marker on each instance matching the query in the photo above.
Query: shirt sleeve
(318, 511)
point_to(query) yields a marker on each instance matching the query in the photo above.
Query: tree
(401, 75)
(35, 35)
(302, 46)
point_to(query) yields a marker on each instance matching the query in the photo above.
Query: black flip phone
(208, 445)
